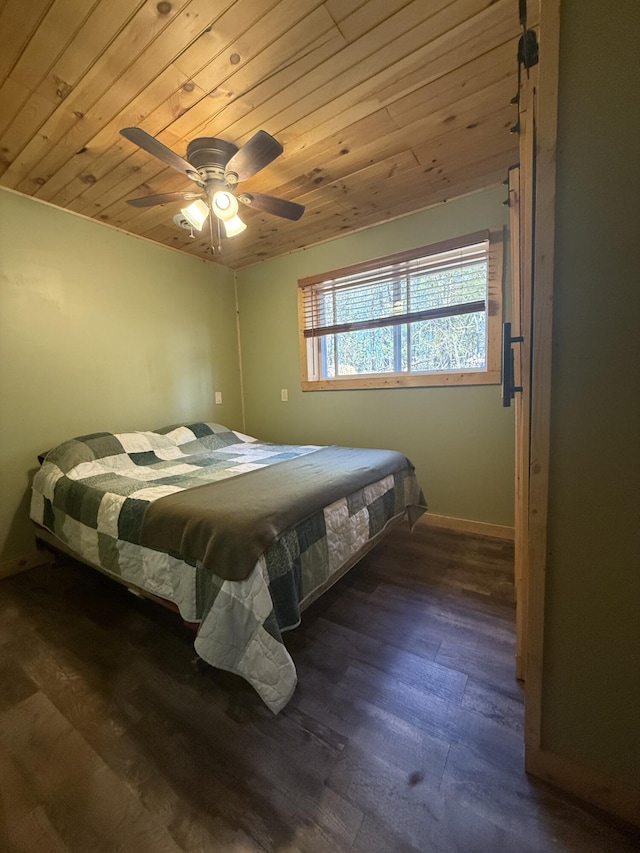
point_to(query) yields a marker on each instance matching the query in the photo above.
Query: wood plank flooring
(404, 734)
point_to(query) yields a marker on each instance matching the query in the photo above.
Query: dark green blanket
(228, 525)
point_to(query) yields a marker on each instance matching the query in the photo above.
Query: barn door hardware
(508, 364)
(528, 53)
(528, 49)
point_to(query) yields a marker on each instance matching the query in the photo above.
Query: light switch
(284, 395)
(218, 397)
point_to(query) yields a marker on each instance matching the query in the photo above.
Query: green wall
(460, 438)
(591, 696)
(103, 331)
(100, 331)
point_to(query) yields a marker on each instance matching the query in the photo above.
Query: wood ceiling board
(270, 78)
(468, 142)
(359, 21)
(474, 113)
(186, 93)
(228, 34)
(328, 223)
(58, 28)
(18, 22)
(341, 9)
(358, 102)
(164, 115)
(456, 83)
(451, 63)
(107, 152)
(259, 251)
(409, 189)
(92, 39)
(222, 78)
(368, 179)
(237, 259)
(365, 95)
(12, 98)
(108, 148)
(338, 84)
(295, 100)
(68, 120)
(376, 127)
(98, 31)
(123, 181)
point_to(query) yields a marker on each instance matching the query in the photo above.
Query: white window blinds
(406, 288)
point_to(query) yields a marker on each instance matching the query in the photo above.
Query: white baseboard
(587, 784)
(23, 564)
(465, 525)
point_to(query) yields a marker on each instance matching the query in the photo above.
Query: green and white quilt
(244, 567)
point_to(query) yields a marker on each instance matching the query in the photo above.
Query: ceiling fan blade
(153, 146)
(163, 198)
(254, 155)
(271, 204)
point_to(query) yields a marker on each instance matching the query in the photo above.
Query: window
(430, 316)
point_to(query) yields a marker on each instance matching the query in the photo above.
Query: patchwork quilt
(93, 494)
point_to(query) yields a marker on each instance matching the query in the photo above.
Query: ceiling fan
(216, 167)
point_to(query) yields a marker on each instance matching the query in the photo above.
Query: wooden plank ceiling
(383, 107)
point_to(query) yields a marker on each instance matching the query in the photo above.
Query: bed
(237, 534)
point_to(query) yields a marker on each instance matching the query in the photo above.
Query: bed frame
(45, 540)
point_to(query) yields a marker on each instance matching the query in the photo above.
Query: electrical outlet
(284, 395)
(218, 397)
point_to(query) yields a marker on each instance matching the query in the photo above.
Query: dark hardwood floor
(404, 734)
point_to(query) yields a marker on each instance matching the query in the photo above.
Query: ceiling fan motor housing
(210, 156)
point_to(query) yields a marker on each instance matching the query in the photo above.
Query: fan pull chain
(213, 248)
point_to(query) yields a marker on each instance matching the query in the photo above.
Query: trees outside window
(425, 317)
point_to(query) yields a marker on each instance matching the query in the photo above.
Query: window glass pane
(365, 351)
(354, 304)
(449, 343)
(449, 287)
(356, 322)
(327, 355)
(402, 357)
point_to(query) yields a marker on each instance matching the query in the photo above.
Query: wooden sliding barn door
(522, 228)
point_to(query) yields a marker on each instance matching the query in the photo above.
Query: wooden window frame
(490, 375)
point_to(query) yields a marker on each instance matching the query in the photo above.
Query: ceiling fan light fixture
(196, 214)
(224, 205)
(234, 226)
(216, 166)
